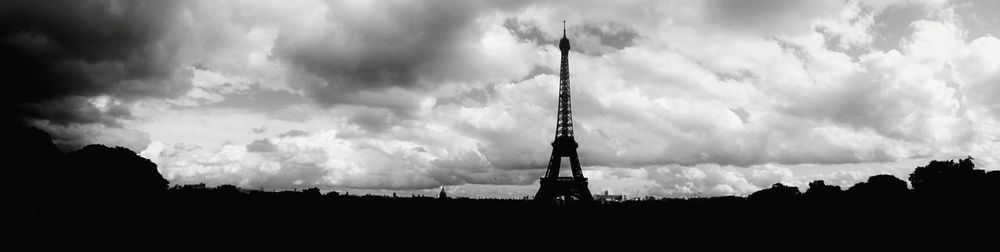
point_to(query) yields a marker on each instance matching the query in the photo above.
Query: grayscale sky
(670, 98)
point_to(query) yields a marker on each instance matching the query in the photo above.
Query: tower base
(565, 188)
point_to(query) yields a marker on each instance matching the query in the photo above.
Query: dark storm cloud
(53, 49)
(55, 55)
(403, 44)
(76, 109)
(376, 54)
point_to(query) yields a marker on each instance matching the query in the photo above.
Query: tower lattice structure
(552, 186)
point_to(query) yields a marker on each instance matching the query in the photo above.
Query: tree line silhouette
(45, 188)
(949, 180)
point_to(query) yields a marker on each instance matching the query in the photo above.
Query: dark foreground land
(210, 214)
(110, 195)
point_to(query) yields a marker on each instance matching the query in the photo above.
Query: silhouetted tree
(821, 191)
(104, 171)
(777, 192)
(227, 189)
(879, 187)
(29, 168)
(950, 178)
(332, 194)
(95, 179)
(992, 179)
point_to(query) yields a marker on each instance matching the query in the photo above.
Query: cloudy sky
(670, 98)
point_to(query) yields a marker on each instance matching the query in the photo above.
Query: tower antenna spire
(564, 28)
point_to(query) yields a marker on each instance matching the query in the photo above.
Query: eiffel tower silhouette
(552, 186)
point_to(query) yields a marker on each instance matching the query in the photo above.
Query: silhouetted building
(312, 192)
(199, 186)
(606, 197)
(552, 186)
(442, 194)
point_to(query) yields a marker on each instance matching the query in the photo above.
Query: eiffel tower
(552, 186)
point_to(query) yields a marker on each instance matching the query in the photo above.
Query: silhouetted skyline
(131, 199)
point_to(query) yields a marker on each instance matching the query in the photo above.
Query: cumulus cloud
(714, 180)
(344, 158)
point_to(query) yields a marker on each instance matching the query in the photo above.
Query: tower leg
(554, 162)
(574, 162)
